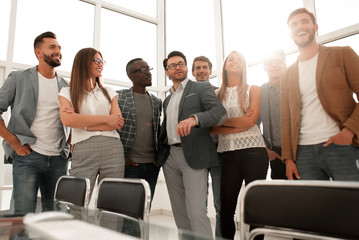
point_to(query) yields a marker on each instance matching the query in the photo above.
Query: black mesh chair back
(73, 190)
(123, 205)
(130, 197)
(301, 209)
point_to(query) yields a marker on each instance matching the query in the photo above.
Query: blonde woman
(92, 112)
(240, 142)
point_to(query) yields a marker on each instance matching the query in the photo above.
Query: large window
(190, 29)
(147, 7)
(150, 29)
(124, 38)
(352, 41)
(256, 27)
(4, 27)
(72, 22)
(335, 14)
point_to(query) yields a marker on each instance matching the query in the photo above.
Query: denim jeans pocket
(339, 145)
(336, 147)
(32, 156)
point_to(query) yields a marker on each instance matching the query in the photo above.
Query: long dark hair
(80, 77)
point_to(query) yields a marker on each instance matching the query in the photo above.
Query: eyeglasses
(174, 65)
(143, 69)
(98, 61)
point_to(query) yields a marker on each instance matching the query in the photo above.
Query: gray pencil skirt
(100, 157)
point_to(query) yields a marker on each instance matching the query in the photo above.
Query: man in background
(202, 70)
(274, 65)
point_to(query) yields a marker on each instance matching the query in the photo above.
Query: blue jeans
(336, 162)
(215, 173)
(32, 172)
(147, 171)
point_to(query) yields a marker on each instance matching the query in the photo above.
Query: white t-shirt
(315, 126)
(94, 103)
(47, 126)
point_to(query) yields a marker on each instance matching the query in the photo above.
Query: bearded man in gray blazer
(189, 112)
(35, 139)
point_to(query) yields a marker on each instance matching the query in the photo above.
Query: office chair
(72, 191)
(301, 209)
(128, 199)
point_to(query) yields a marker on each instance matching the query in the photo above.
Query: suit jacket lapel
(163, 134)
(60, 83)
(185, 93)
(322, 59)
(34, 78)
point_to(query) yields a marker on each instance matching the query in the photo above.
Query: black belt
(177, 145)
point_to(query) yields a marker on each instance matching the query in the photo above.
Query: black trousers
(277, 166)
(246, 164)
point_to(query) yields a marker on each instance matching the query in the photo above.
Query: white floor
(168, 221)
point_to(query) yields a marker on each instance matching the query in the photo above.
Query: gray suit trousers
(187, 189)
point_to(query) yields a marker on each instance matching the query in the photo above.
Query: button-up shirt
(172, 113)
(274, 113)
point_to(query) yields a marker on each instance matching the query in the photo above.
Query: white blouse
(94, 103)
(250, 138)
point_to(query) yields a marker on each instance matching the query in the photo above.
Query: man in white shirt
(35, 140)
(319, 116)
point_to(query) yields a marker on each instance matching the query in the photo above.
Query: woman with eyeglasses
(240, 142)
(92, 111)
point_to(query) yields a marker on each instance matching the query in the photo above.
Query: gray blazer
(264, 116)
(21, 91)
(199, 150)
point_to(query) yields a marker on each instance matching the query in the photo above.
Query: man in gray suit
(189, 111)
(34, 139)
(274, 65)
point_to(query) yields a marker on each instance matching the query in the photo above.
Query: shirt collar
(271, 86)
(181, 85)
(96, 88)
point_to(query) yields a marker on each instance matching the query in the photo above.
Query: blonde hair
(241, 87)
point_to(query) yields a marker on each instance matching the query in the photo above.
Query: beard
(48, 59)
(305, 43)
(175, 78)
